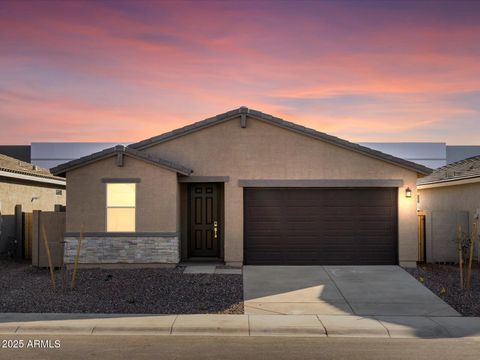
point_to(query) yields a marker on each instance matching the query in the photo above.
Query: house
(29, 187)
(242, 187)
(450, 197)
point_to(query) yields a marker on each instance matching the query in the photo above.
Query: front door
(204, 220)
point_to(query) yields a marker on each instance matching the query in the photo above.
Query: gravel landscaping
(143, 291)
(444, 281)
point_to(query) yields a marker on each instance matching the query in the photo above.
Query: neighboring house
(27, 185)
(242, 187)
(450, 197)
(429, 154)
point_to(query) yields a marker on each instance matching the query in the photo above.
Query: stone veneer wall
(111, 250)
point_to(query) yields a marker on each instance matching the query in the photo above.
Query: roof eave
(104, 154)
(33, 178)
(452, 181)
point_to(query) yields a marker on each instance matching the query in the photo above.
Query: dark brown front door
(204, 221)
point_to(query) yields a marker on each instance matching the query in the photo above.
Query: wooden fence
(27, 221)
(421, 237)
(53, 223)
(30, 243)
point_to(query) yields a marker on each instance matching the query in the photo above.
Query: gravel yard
(142, 291)
(444, 281)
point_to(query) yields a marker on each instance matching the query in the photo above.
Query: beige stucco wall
(264, 151)
(457, 197)
(18, 192)
(450, 201)
(156, 195)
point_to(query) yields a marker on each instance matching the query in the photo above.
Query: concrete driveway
(338, 290)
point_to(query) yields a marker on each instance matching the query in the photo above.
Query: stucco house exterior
(242, 187)
(29, 186)
(450, 197)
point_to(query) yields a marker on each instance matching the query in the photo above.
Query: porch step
(210, 269)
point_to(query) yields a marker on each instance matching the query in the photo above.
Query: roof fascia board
(31, 178)
(451, 182)
(125, 153)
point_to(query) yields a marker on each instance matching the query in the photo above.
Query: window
(121, 207)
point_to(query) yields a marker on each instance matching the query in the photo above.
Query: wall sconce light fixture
(408, 192)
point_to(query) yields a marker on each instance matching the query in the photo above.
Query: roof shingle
(16, 166)
(463, 169)
(120, 149)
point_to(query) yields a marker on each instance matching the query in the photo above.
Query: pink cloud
(129, 70)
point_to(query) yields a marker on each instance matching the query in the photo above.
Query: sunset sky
(128, 70)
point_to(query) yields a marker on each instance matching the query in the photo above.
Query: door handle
(215, 229)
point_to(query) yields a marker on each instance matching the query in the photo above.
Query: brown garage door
(305, 226)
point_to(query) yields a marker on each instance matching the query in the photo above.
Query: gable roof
(120, 150)
(244, 111)
(460, 170)
(14, 168)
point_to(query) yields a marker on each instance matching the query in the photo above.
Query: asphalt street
(278, 348)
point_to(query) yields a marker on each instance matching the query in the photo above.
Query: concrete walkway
(241, 325)
(366, 291)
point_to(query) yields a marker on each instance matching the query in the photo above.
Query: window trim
(120, 207)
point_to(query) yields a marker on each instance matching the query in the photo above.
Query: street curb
(420, 327)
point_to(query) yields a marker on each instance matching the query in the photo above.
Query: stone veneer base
(130, 250)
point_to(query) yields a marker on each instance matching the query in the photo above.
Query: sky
(128, 70)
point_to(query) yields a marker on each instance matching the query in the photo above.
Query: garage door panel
(265, 211)
(265, 224)
(265, 235)
(300, 233)
(302, 211)
(264, 195)
(375, 212)
(292, 195)
(300, 240)
(339, 225)
(321, 226)
(299, 257)
(373, 226)
(338, 212)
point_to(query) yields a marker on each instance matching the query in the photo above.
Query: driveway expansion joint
(386, 329)
(340, 291)
(324, 327)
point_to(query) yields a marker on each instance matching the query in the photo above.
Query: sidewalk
(241, 325)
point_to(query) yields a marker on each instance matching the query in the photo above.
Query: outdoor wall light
(408, 192)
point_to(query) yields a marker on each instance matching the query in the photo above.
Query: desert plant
(465, 247)
(473, 237)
